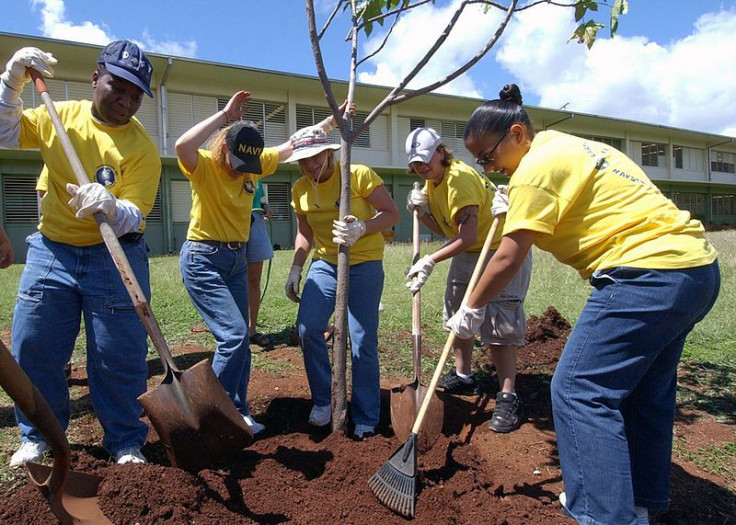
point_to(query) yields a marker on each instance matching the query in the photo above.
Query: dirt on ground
(295, 473)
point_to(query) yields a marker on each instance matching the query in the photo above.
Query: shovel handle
(30, 401)
(416, 302)
(451, 338)
(108, 235)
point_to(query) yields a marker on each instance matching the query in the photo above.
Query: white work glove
(467, 321)
(16, 76)
(416, 198)
(420, 271)
(91, 198)
(500, 203)
(348, 230)
(292, 283)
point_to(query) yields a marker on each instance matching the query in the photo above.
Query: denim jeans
(59, 284)
(315, 309)
(216, 280)
(613, 393)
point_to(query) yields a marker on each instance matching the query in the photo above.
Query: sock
(642, 515)
(464, 377)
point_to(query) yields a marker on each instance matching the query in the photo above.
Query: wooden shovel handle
(30, 401)
(416, 302)
(108, 235)
(451, 339)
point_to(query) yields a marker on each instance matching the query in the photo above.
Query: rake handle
(108, 235)
(416, 304)
(477, 271)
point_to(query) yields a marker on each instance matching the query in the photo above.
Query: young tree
(363, 17)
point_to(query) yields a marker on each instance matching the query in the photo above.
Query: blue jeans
(315, 310)
(613, 393)
(59, 284)
(258, 248)
(216, 280)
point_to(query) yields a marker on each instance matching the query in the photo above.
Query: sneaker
(320, 416)
(451, 383)
(29, 451)
(362, 432)
(508, 414)
(129, 455)
(254, 425)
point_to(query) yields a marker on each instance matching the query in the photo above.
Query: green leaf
(620, 7)
(586, 33)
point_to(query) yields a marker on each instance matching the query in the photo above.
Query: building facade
(696, 170)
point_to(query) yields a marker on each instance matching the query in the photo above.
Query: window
(20, 199)
(269, 117)
(651, 153)
(611, 141)
(309, 116)
(155, 214)
(722, 162)
(724, 204)
(692, 202)
(279, 199)
(452, 132)
(687, 158)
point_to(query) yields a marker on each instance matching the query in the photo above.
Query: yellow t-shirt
(597, 209)
(321, 205)
(221, 204)
(124, 159)
(462, 186)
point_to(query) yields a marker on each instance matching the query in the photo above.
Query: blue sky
(673, 62)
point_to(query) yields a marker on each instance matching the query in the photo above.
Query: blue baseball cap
(126, 60)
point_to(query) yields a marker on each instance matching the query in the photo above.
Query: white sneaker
(254, 425)
(320, 416)
(129, 455)
(364, 431)
(29, 451)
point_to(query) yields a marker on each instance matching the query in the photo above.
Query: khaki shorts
(505, 322)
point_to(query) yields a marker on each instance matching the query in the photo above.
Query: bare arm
(188, 144)
(467, 225)
(431, 223)
(6, 250)
(502, 267)
(387, 214)
(302, 241)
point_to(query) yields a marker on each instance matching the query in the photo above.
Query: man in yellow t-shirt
(68, 271)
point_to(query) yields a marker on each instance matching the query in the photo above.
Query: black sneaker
(451, 383)
(508, 414)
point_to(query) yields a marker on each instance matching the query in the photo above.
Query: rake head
(395, 482)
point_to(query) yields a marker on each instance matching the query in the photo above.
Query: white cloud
(54, 24)
(412, 37)
(687, 83)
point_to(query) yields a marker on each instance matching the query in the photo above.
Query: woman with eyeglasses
(461, 207)
(654, 276)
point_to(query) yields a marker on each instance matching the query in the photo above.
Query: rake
(395, 483)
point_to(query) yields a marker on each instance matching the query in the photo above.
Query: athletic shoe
(320, 416)
(508, 414)
(254, 425)
(129, 455)
(29, 451)
(362, 432)
(451, 383)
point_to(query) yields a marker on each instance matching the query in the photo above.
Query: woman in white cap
(213, 262)
(460, 206)
(316, 200)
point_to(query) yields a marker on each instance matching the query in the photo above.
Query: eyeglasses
(487, 159)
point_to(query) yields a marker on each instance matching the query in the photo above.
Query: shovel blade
(405, 403)
(77, 502)
(195, 419)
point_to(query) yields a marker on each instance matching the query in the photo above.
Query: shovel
(407, 398)
(395, 483)
(194, 417)
(72, 495)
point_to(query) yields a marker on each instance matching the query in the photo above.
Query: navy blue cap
(245, 145)
(126, 60)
